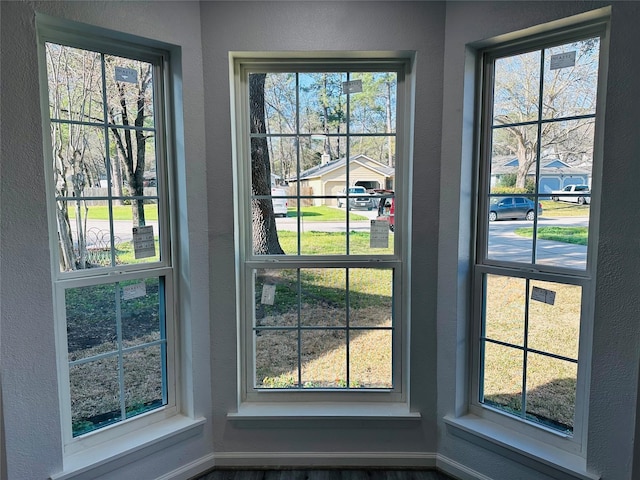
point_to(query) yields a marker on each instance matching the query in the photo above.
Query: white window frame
(65, 33)
(241, 64)
(576, 443)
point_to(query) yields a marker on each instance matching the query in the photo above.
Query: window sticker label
(129, 292)
(379, 234)
(144, 245)
(268, 294)
(563, 60)
(543, 295)
(352, 86)
(128, 75)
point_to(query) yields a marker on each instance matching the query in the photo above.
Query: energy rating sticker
(268, 294)
(144, 245)
(543, 295)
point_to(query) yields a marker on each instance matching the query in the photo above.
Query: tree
(265, 234)
(325, 109)
(280, 118)
(372, 112)
(567, 93)
(77, 109)
(73, 84)
(125, 100)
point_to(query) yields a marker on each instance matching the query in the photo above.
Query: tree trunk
(388, 119)
(116, 178)
(265, 234)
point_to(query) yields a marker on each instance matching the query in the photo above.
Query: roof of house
(320, 170)
(506, 164)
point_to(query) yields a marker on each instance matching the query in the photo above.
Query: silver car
(358, 198)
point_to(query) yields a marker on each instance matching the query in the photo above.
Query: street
(504, 244)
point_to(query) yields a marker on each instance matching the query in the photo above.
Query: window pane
(502, 374)
(571, 79)
(85, 233)
(513, 160)
(75, 84)
(95, 395)
(370, 297)
(323, 297)
(282, 157)
(505, 309)
(517, 88)
(129, 91)
(373, 110)
(324, 358)
(276, 298)
(134, 151)
(364, 151)
(551, 391)
(323, 106)
(91, 320)
(554, 318)
(370, 358)
(143, 380)
(79, 163)
(276, 357)
(508, 215)
(142, 318)
(314, 153)
(280, 102)
(330, 239)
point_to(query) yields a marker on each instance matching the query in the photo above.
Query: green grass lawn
(563, 209)
(551, 383)
(330, 243)
(120, 212)
(575, 235)
(324, 214)
(123, 212)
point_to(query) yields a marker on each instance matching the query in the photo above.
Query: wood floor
(370, 474)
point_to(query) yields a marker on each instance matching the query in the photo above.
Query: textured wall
(27, 355)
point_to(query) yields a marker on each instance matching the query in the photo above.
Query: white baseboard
(457, 470)
(324, 460)
(192, 469)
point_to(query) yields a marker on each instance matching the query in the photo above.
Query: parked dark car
(512, 208)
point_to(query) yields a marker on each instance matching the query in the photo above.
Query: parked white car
(573, 193)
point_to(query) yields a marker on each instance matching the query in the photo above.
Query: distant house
(330, 177)
(554, 174)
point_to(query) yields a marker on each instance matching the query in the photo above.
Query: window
(322, 306)
(106, 167)
(535, 255)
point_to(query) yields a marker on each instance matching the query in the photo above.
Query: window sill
(96, 461)
(521, 448)
(323, 411)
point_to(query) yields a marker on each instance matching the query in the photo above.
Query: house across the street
(554, 174)
(330, 178)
